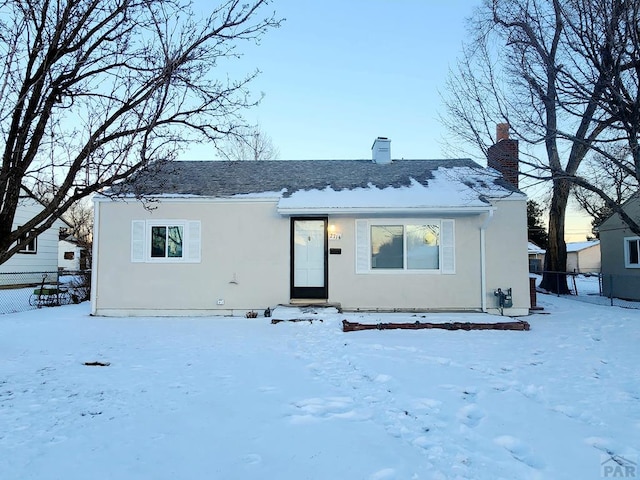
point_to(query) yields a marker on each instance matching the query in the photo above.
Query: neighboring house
(620, 250)
(536, 257)
(39, 255)
(230, 237)
(72, 255)
(583, 257)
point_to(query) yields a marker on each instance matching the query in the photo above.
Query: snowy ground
(236, 398)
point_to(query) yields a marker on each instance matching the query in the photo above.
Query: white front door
(309, 254)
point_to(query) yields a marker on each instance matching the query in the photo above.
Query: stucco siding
(390, 290)
(245, 263)
(244, 260)
(506, 255)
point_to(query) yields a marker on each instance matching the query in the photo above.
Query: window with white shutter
(165, 241)
(362, 246)
(138, 240)
(447, 246)
(405, 246)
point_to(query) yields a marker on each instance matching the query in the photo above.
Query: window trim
(446, 246)
(167, 240)
(627, 263)
(141, 241)
(33, 241)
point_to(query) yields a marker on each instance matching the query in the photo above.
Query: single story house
(536, 257)
(39, 255)
(218, 237)
(583, 257)
(620, 251)
(72, 254)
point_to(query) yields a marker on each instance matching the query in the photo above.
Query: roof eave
(446, 210)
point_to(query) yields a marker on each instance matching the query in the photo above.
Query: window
(387, 246)
(69, 255)
(165, 241)
(405, 246)
(32, 246)
(632, 252)
(423, 246)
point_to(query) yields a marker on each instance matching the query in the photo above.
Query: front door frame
(309, 292)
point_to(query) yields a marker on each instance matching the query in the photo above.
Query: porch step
(299, 312)
(313, 302)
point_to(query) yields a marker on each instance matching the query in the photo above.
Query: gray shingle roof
(223, 179)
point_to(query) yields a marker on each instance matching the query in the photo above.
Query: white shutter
(193, 241)
(362, 246)
(448, 246)
(137, 240)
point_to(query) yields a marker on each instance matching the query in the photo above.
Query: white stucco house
(230, 237)
(39, 255)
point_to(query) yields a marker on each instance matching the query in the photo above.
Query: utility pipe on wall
(483, 272)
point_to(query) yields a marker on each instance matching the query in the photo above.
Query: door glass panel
(308, 253)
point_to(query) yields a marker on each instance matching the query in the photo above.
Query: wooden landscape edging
(515, 325)
(275, 321)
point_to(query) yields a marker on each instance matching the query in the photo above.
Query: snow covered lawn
(236, 398)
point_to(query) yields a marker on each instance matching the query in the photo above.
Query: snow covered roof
(535, 249)
(579, 246)
(322, 185)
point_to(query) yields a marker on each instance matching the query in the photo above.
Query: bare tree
(92, 91)
(531, 66)
(610, 45)
(535, 226)
(79, 217)
(250, 144)
(610, 176)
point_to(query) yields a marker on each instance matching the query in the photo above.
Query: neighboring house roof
(321, 184)
(27, 195)
(71, 239)
(579, 246)
(535, 249)
(614, 220)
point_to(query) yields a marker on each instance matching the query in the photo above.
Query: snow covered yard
(236, 398)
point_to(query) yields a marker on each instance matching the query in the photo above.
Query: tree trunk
(555, 260)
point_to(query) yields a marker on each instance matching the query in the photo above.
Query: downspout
(94, 255)
(483, 269)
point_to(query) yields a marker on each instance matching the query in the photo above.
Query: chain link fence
(621, 290)
(22, 291)
(602, 289)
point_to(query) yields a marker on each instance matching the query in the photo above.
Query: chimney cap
(380, 139)
(502, 132)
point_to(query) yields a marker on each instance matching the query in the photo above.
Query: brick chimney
(504, 156)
